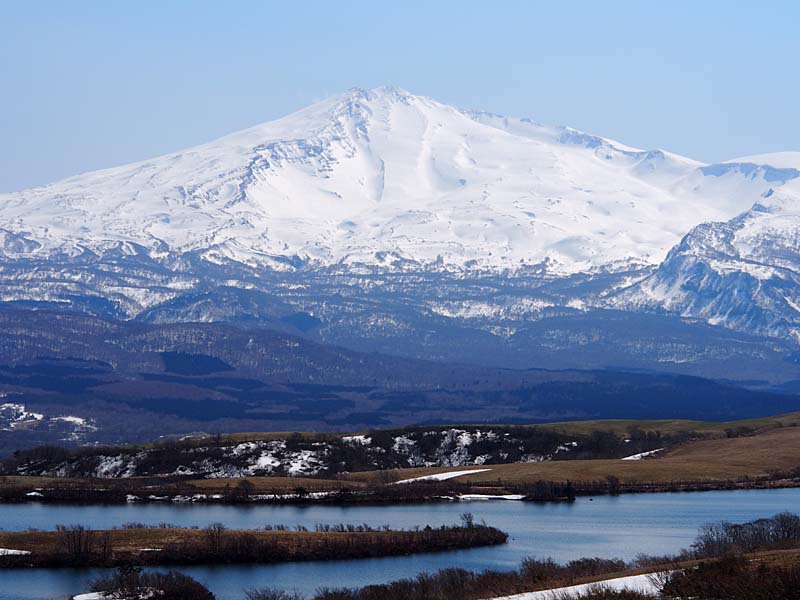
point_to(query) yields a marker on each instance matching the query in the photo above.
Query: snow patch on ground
(471, 497)
(357, 440)
(14, 415)
(113, 466)
(642, 455)
(17, 416)
(74, 420)
(11, 552)
(443, 476)
(636, 583)
(304, 462)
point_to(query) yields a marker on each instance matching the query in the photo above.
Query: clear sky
(86, 85)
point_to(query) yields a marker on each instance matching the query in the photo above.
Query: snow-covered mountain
(374, 209)
(382, 175)
(743, 273)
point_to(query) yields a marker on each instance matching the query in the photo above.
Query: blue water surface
(622, 526)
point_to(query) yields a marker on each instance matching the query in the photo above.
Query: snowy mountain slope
(378, 214)
(743, 273)
(780, 160)
(372, 177)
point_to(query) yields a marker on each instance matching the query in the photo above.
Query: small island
(136, 544)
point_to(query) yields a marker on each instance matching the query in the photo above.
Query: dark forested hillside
(71, 378)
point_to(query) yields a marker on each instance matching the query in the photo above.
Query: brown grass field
(621, 426)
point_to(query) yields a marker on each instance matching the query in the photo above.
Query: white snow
(267, 461)
(642, 455)
(749, 267)
(70, 419)
(375, 177)
(11, 552)
(636, 583)
(244, 448)
(780, 160)
(15, 415)
(403, 444)
(357, 440)
(443, 476)
(383, 180)
(110, 466)
(566, 447)
(471, 497)
(303, 462)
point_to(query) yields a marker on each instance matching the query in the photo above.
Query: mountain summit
(490, 222)
(383, 177)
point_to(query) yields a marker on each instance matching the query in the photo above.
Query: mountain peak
(374, 173)
(384, 182)
(384, 93)
(391, 91)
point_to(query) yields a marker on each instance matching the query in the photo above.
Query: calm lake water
(603, 526)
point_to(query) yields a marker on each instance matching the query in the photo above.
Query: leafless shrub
(213, 536)
(77, 541)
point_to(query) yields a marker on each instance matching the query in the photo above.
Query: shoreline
(417, 493)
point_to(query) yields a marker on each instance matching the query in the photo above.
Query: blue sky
(87, 84)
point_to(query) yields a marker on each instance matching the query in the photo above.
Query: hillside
(766, 454)
(72, 379)
(634, 451)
